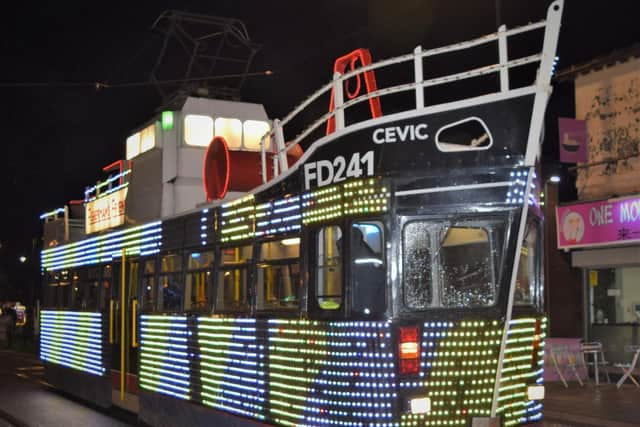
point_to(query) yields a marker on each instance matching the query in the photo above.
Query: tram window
(77, 288)
(50, 294)
(527, 278)
(170, 285)
(133, 280)
(148, 285)
(417, 265)
(92, 289)
(466, 271)
(464, 135)
(368, 275)
(233, 278)
(329, 267)
(240, 254)
(51, 291)
(278, 275)
(198, 280)
(109, 284)
(63, 299)
(63, 295)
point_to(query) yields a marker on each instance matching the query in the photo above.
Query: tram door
(123, 319)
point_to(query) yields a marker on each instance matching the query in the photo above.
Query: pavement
(26, 400)
(602, 406)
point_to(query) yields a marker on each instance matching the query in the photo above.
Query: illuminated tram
(390, 275)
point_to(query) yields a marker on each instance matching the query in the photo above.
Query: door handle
(111, 319)
(134, 311)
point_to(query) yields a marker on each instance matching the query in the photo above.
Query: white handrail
(418, 84)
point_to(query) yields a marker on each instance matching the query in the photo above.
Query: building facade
(601, 230)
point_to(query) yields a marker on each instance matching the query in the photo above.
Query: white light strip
(452, 188)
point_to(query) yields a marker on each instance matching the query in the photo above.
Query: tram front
(467, 298)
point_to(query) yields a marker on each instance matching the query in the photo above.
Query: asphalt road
(26, 400)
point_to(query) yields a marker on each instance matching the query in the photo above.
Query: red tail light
(409, 350)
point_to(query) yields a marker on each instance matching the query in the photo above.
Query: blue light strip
(144, 239)
(52, 213)
(279, 216)
(164, 357)
(116, 177)
(72, 339)
(231, 366)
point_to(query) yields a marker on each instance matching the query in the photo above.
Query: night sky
(59, 130)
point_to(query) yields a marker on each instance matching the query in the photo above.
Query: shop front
(604, 240)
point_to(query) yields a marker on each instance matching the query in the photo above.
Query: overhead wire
(100, 85)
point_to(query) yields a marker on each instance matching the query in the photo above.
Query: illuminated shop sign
(105, 212)
(603, 223)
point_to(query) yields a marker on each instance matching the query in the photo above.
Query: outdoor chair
(627, 368)
(565, 361)
(593, 355)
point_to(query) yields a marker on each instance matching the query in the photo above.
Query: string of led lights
(73, 339)
(96, 188)
(522, 367)
(140, 240)
(164, 357)
(354, 197)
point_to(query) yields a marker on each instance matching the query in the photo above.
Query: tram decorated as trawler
(381, 267)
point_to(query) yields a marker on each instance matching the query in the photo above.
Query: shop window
(198, 281)
(198, 130)
(329, 286)
(278, 275)
(368, 272)
(233, 279)
(170, 285)
(614, 295)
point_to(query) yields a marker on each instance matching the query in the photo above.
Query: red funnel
(225, 170)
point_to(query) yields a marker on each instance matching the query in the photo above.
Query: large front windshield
(452, 263)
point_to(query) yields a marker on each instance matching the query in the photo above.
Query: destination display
(105, 212)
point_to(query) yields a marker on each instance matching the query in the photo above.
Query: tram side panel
(278, 371)
(76, 354)
(300, 372)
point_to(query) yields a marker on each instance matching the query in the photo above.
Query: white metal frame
(628, 368)
(562, 366)
(541, 87)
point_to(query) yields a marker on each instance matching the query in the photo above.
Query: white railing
(541, 85)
